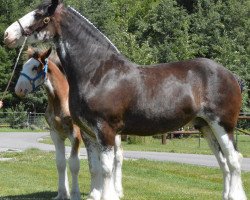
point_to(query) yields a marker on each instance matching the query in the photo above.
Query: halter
(26, 33)
(41, 73)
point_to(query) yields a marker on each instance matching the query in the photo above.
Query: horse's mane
(41, 48)
(79, 22)
(95, 34)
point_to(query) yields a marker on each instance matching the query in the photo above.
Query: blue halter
(41, 73)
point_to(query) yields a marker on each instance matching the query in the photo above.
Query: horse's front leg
(118, 166)
(106, 137)
(107, 164)
(63, 186)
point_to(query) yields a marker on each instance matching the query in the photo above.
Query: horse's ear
(46, 54)
(30, 52)
(53, 6)
(35, 54)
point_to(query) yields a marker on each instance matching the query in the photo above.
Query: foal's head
(39, 24)
(33, 73)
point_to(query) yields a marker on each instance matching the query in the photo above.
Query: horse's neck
(80, 46)
(57, 89)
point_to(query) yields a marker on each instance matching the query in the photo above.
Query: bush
(17, 117)
(139, 140)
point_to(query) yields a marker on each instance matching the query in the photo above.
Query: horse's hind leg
(118, 166)
(74, 165)
(215, 147)
(236, 191)
(63, 186)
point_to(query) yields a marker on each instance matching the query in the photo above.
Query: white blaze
(23, 85)
(13, 34)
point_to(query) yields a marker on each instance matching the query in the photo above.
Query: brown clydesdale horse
(110, 95)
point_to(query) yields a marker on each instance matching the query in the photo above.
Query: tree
(12, 11)
(220, 31)
(150, 32)
(165, 27)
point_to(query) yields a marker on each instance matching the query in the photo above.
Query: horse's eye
(38, 15)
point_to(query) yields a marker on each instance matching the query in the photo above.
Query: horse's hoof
(120, 194)
(112, 198)
(94, 196)
(62, 197)
(91, 198)
(241, 196)
(75, 196)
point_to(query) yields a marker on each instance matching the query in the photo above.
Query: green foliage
(220, 31)
(165, 29)
(12, 11)
(151, 31)
(16, 116)
(139, 140)
(5, 67)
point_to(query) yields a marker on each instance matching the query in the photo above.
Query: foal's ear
(46, 54)
(30, 52)
(52, 7)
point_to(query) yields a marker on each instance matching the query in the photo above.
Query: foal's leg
(215, 147)
(233, 158)
(74, 165)
(118, 166)
(93, 152)
(63, 186)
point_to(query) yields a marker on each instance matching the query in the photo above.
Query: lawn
(184, 145)
(32, 175)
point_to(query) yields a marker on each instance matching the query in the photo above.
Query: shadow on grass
(34, 196)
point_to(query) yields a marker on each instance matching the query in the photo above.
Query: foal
(57, 115)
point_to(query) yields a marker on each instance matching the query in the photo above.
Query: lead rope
(14, 69)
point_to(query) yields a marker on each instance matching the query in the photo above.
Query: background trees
(150, 31)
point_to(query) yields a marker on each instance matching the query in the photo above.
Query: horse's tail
(240, 82)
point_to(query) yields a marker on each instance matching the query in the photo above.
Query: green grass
(184, 145)
(32, 175)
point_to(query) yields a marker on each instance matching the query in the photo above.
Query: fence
(37, 121)
(28, 120)
(243, 116)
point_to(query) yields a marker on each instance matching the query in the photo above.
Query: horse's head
(33, 73)
(36, 25)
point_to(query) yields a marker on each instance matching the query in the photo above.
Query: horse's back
(217, 92)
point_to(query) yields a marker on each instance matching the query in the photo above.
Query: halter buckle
(46, 20)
